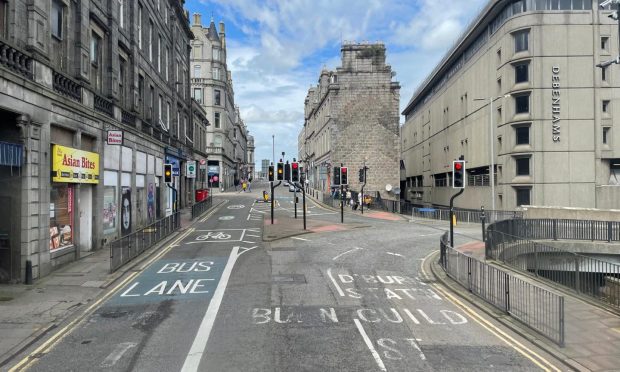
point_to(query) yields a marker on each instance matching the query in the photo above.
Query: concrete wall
(571, 213)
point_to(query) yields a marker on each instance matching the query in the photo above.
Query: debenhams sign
(555, 103)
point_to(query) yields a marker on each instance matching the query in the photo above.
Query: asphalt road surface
(350, 297)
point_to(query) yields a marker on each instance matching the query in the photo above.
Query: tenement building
(520, 93)
(351, 117)
(94, 99)
(212, 87)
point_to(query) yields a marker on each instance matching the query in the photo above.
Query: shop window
(61, 216)
(523, 166)
(110, 203)
(523, 135)
(523, 195)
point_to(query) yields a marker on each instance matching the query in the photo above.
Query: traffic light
(271, 173)
(336, 176)
(167, 173)
(280, 175)
(361, 175)
(344, 176)
(287, 171)
(295, 172)
(458, 174)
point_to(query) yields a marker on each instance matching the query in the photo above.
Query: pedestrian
(244, 185)
(250, 185)
(348, 197)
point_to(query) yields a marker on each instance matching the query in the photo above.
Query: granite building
(520, 89)
(351, 116)
(94, 99)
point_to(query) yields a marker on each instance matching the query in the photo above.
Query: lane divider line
(329, 273)
(369, 344)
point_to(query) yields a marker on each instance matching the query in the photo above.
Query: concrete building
(94, 99)
(264, 168)
(551, 122)
(352, 116)
(212, 87)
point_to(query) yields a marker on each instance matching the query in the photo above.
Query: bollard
(28, 272)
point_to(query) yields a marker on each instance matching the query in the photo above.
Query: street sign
(115, 137)
(191, 169)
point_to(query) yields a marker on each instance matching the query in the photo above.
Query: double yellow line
(48, 345)
(537, 359)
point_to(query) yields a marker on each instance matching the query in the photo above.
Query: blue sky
(277, 48)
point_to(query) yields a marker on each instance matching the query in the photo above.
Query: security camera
(614, 15)
(609, 63)
(605, 3)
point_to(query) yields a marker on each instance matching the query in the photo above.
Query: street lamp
(492, 147)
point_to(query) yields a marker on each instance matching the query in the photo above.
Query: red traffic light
(343, 170)
(458, 166)
(295, 165)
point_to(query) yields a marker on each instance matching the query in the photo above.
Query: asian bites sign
(74, 166)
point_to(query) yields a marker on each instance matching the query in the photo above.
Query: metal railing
(564, 229)
(131, 246)
(464, 215)
(586, 275)
(532, 305)
(201, 207)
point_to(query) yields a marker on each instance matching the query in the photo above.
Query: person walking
(348, 197)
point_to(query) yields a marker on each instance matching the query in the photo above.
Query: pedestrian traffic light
(458, 174)
(344, 176)
(295, 172)
(271, 173)
(336, 176)
(280, 175)
(287, 171)
(361, 175)
(167, 173)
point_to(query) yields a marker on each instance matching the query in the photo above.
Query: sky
(277, 49)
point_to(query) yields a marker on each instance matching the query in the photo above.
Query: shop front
(213, 174)
(173, 188)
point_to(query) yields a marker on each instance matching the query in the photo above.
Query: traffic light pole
(295, 199)
(272, 197)
(452, 216)
(341, 205)
(303, 193)
(363, 185)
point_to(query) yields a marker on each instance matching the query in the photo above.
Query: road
(349, 297)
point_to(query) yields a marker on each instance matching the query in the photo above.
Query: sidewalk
(592, 333)
(28, 312)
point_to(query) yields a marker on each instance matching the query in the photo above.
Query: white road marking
(416, 345)
(243, 241)
(254, 236)
(305, 240)
(236, 206)
(117, 354)
(192, 361)
(395, 254)
(329, 273)
(349, 251)
(371, 347)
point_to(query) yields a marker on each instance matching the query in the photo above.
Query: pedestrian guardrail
(586, 275)
(131, 246)
(464, 215)
(560, 229)
(532, 305)
(201, 207)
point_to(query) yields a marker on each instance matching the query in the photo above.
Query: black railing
(128, 118)
(562, 229)
(103, 105)
(16, 60)
(199, 208)
(465, 215)
(131, 246)
(67, 87)
(534, 306)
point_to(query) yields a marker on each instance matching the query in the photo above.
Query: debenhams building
(521, 87)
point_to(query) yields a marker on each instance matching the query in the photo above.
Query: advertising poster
(126, 211)
(150, 202)
(109, 209)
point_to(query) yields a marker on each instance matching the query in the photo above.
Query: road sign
(191, 169)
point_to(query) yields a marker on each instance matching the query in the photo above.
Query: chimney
(197, 20)
(223, 35)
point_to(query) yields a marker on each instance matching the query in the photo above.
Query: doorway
(86, 218)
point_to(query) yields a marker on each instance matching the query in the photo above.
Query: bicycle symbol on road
(214, 235)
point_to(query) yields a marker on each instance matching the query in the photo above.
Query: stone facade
(352, 116)
(70, 72)
(555, 140)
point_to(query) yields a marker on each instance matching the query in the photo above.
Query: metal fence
(201, 207)
(130, 246)
(543, 228)
(534, 306)
(586, 275)
(465, 215)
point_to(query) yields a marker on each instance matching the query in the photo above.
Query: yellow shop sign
(74, 166)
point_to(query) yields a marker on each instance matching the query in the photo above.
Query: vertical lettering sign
(555, 103)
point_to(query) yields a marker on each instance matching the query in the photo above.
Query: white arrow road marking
(117, 354)
(192, 361)
(349, 251)
(395, 254)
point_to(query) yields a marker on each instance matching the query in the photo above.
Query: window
(499, 86)
(606, 138)
(167, 115)
(217, 120)
(4, 19)
(521, 40)
(523, 195)
(499, 57)
(121, 15)
(217, 97)
(198, 94)
(604, 73)
(95, 48)
(523, 166)
(216, 54)
(121, 80)
(197, 71)
(160, 107)
(522, 104)
(151, 55)
(57, 15)
(166, 62)
(151, 114)
(159, 55)
(521, 72)
(140, 88)
(140, 26)
(523, 135)
(217, 140)
(604, 42)
(216, 73)
(605, 106)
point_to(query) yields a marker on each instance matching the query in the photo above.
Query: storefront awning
(11, 154)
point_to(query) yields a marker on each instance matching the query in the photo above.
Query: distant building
(265, 168)
(555, 138)
(352, 115)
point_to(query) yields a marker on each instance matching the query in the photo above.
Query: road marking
(226, 218)
(395, 254)
(369, 344)
(329, 273)
(243, 241)
(506, 338)
(117, 354)
(302, 239)
(192, 361)
(349, 251)
(236, 206)
(212, 212)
